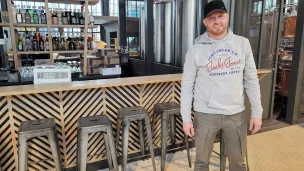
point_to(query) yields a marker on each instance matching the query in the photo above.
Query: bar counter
(66, 102)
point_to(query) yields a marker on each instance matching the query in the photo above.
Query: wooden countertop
(77, 85)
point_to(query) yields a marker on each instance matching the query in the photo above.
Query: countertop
(100, 83)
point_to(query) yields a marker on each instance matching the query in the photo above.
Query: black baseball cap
(215, 5)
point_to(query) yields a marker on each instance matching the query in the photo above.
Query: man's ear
(204, 21)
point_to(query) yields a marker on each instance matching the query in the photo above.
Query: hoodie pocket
(225, 98)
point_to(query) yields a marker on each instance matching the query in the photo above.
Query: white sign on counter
(51, 75)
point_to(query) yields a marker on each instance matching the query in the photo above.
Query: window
(113, 7)
(133, 8)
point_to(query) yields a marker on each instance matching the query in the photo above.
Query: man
(218, 67)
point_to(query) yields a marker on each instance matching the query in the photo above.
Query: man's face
(217, 22)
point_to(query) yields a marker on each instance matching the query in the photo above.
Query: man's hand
(188, 128)
(255, 125)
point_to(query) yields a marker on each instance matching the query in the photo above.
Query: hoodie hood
(205, 39)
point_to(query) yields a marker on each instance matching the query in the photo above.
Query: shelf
(32, 52)
(30, 25)
(73, 26)
(4, 24)
(74, 51)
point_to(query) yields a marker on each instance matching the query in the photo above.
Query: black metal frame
(105, 5)
(261, 35)
(122, 23)
(297, 69)
(149, 39)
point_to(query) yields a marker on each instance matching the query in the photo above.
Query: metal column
(105, 7)
(297, 69)
(122, 34)
(149, 38)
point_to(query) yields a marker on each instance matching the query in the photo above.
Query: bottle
(23, 41)
(41, 46)
(59, 45)
(43, 18)
(64, 18)
(28, 18)
(36, 17)
(23, 11)
(73, 18)
(46, 43)
(20, 43)
(69, 16)
(54, 43)
(28, 43)
(72, 44)
(77, 14)
(91, 19)
(19, 17)
(81, 19)
(35, 44)
(54, 18)
(31, 12)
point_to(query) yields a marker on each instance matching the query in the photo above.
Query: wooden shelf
(73, 26)
(74, 51)
(30, 25)
(32, 52)
(4, 24)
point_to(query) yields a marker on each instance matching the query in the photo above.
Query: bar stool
(93, 124)
(33, 129)
(125, 117)
(168, 111)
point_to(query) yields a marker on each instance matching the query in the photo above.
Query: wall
(110, 27)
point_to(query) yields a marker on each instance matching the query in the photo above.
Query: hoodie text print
(215, 75)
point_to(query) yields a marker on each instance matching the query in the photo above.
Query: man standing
(217, 69)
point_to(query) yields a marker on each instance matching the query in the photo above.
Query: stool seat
(131, 112)
(36, 125)
(168, 108)
(94, 124)
(33, 129)
(94, 121)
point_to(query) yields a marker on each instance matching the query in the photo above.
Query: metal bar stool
(33, 129)
(168, 111)
(93, 124)
(125, 117)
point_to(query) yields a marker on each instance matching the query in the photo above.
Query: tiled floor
(277, 150)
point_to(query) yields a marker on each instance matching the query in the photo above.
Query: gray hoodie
(215, 75)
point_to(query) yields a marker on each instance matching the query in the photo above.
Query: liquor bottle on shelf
(64, 18)
(59, 45)
(23, 11)
(41, 46)
(68, 12)
(23, 41)
(43, 17)
(65, 45)
(54, 17)
(46, 43)
(72, 44)
(36, 17)
(28, 17)
(73, 18)
(77, 14)
(54, 42)
(77, 42)
(35, 44)
(19, 17)
(81, 19)
(20, 43)
(28, 43)
(31, 12)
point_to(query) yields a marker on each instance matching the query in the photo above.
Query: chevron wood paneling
(7, 159)
(120, 97)
(77, 104)
(33, 107)
(67, 107)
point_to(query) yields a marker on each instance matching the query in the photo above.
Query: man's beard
(219, 32)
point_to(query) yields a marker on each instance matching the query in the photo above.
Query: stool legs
(118, 127)
(125, 139)
(173, 129)
(222, 152)
(112, 147)
(107, 144)
(22, 148)
(55, 150)
(141, 136)
(82, 151)
(164, 134)
(149, 134)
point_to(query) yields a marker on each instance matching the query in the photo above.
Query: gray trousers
(206, 127)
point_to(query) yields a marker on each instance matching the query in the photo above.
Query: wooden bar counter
(66, 102)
